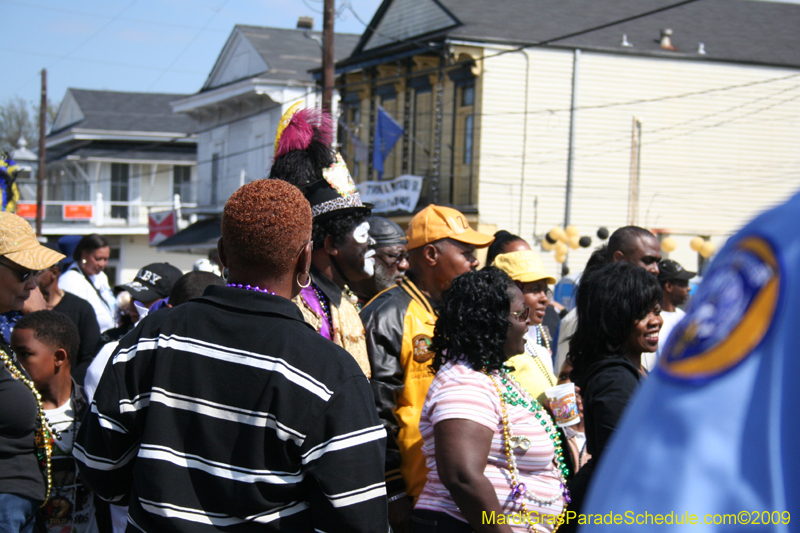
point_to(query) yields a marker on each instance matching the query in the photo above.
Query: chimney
(305, 23)
(666, 42)
(625, 41)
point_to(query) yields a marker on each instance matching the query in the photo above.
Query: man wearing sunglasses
(391, 259)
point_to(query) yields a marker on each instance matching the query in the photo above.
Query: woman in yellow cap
(534, 368)
(26, 436)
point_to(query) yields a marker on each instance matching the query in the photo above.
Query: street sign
(77, 211)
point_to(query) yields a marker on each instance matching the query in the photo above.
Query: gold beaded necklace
(44, 433)
(518, 489)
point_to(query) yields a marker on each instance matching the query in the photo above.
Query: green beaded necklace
(516, 395)
(45, 434)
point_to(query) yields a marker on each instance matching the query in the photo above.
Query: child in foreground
(45, 343)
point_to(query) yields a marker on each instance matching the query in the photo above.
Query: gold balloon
(571, 231)
(668, 244)
(560, 258)
(546, 246)
(574, 242)
(708, 249)
(558, 234)
(696, 243)
(561, 248)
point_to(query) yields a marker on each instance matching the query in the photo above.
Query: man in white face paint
(340, 233)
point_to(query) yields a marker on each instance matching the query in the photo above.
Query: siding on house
(718, 144)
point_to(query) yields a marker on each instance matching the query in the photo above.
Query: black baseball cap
(669, 270)
(152, 282)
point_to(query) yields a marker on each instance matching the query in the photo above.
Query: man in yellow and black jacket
(399, 326)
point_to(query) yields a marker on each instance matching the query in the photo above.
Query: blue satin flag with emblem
(715, 429)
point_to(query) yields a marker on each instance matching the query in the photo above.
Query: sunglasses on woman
(24, 275)
(522, 314)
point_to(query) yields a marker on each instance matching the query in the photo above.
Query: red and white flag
(162, 226)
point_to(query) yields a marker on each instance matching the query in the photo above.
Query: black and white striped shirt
(230, 412)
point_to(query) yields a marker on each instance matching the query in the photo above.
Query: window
(468, 95)
(468, 139)
(120, 184)
(182, 182)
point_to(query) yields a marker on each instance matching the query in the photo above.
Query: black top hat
(334, 195)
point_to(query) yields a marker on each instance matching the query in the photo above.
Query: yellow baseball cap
(18, 244)
(524, 266)
(437, 222)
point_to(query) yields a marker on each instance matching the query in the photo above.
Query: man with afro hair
(341, 243)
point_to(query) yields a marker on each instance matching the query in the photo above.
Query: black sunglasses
(24, 275)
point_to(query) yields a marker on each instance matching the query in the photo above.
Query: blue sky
(137, 45)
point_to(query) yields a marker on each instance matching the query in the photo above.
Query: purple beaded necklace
(249, 287)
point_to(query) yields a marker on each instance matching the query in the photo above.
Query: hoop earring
(308, 280)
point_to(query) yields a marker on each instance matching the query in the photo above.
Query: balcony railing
(99, 213)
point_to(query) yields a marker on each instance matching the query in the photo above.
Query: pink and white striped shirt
(458, 392)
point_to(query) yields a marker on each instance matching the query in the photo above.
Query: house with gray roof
(677, 116)
(258, 75)
(114, 158)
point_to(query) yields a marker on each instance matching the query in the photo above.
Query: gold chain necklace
(531, 350)
(518, 489)
(44, 433)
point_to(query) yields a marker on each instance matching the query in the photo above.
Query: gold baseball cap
(18, 244)
(524, 266)
(437, 222)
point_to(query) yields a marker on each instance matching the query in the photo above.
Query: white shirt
(75, 282)
(565, 331)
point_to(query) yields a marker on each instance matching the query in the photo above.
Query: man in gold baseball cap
(399, 323)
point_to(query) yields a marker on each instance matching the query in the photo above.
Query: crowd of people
(343, 375)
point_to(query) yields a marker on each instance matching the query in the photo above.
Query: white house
(259, 74)
(112, 158)
(682, 120)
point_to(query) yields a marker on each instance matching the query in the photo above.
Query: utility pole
(40, 176)
(636, 154)
(327, 56)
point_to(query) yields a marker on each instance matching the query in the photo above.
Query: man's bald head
(637, 246)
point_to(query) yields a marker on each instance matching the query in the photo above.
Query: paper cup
(564, 404)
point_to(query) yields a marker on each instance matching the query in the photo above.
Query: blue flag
(387, 131)
(711, 438)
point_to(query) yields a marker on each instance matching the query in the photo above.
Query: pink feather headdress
(303, 127)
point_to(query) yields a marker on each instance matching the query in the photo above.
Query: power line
(522, 47)
(188, 45)
(96, 15)
(92, 36)
(98, 61)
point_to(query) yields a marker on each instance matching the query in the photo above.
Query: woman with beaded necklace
(25, 435)
(495, 457)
